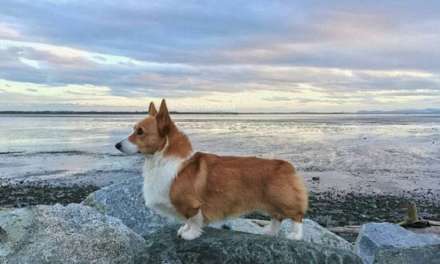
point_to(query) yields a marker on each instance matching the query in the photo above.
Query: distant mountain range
(403, 111)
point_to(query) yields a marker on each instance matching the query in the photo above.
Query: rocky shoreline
(22, 195)
(329, 208)
(112, 225)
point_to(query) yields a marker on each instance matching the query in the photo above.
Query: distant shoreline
(172, 112)
(409, 112)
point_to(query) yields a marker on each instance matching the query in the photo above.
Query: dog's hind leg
(273, 228)
(296, 233)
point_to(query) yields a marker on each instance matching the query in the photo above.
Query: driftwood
(261, 223)
(412, 222)
(354, 230)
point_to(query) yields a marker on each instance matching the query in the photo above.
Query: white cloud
(31, 63)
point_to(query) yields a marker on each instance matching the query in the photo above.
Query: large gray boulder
(313, 232)
(423, 254)
(66, 234)
(222, 246)
(390, 243)
(125, 201)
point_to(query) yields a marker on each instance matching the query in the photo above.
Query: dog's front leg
(192, 228)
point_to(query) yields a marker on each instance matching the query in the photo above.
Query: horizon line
(67, 112)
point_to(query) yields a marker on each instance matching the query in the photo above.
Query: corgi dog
(200, 188)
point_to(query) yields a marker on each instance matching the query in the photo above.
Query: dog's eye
(139, 131)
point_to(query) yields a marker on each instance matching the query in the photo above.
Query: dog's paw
(295, 236)
(182, 229)
(191, 233)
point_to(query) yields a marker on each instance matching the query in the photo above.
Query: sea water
(381, 152)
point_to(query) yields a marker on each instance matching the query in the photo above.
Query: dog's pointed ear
(163, 119)
(152, 109)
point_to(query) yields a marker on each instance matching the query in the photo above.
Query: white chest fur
(159, 173)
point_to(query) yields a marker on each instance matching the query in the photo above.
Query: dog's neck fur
(177, 144)
(161, 168)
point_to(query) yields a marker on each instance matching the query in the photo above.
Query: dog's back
(224, 186)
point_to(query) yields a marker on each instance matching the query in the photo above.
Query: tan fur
(230, 186)
(152, 109)
(222, 186)
(157, 128)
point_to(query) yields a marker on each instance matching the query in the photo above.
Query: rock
(424, 254)
(3, 235)
(222, 246)
(313, 232)
(390, 243)
(125, 201)
(66, 234)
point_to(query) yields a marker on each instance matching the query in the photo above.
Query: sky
(228, 55)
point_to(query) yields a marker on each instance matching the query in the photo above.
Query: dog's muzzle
(125, 146)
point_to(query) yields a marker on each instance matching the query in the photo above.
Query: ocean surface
(366, 153)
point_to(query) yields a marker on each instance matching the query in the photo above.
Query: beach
(358, 167)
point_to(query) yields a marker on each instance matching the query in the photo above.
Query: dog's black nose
(118, 146)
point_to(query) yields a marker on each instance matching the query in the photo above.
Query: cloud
(8, 32)
(342, 34)
(320, 54)
(277, 99)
